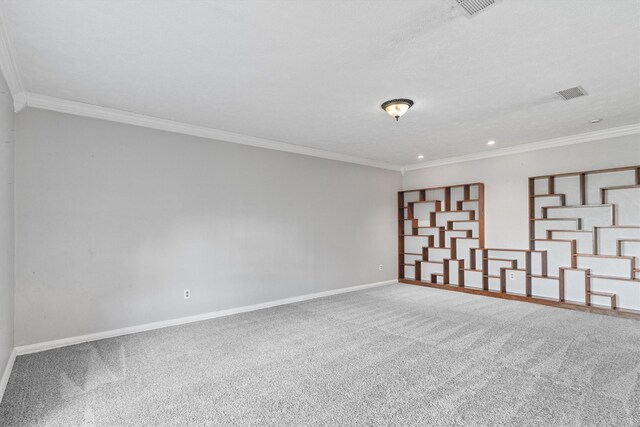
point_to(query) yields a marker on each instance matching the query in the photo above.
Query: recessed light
(420, 156)
(491, 142)
(594, 121)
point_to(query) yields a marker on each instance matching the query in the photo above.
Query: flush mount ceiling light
(420, 156)
(594, 121)
(491, 142)
(397, 107)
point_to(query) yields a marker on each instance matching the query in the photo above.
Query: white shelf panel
(590, 216)
(545, 288)
(628, 293)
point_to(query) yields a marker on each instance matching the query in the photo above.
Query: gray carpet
(393, 355)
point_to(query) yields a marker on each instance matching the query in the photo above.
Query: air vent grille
(572, 92)
(473, 7)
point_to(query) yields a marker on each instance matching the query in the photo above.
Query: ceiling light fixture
(594, 121)
(420, 156)
(491, 143)
(397, 107)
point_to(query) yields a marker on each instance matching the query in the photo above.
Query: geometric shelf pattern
(437, 231)
(589, 224)
(584, 242)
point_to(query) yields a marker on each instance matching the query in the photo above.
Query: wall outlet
(187, 293)
(512, 275)
(380, 267)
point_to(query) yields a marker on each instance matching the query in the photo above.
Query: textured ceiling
(314, 73)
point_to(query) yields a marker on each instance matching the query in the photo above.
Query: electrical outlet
(380, 267)
(512, 275)
(187, 293)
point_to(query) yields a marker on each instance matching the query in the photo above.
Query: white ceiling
(314, 73)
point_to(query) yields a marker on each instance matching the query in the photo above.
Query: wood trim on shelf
(630, 314)
(413, 190)
(565, 174)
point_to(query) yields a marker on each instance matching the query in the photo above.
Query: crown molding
(26, 99)
(533, 146)
(111, 114)
(19, 102)
(7, 61)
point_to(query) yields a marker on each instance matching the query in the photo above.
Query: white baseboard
(7, 372)
(49, 345)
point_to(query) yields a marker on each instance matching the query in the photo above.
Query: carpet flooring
(392, 355)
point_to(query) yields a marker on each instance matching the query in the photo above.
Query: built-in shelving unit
(584, 242)
(436, 228)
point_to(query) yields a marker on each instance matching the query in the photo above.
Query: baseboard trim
(7, 373)
(64, 342)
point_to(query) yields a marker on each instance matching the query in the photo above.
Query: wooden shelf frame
(478, 257)
(441, 206)
(582, 176)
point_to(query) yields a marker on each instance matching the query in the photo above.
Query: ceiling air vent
(572, 92)
(473, 7)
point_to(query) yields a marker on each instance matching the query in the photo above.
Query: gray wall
(506, 180)
(114, 221)
(6, 224)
